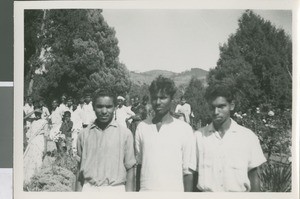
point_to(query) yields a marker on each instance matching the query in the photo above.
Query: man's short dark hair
(163, 84)
(219, 90)
(104, 93)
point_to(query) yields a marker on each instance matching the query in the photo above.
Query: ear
(232, 105)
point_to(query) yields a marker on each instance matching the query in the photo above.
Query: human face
(87, 99)
(120, 102)
(183, 101)
(220, 110)
(29, 101)
(74, 107)
(54, 104)
(104, 109)
(67, 118)
(69, 103)
(63, 99)
(81, 100)
(161, 103)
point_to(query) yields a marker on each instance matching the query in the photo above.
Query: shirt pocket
(236, 175)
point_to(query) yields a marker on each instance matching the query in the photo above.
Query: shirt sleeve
(129, 112)
(189, 109)
(256, 154)
(79, 146)
(189, 151)
(177, 109)
(47, 112)
(138, 145)
(194, 155)
(129, 151)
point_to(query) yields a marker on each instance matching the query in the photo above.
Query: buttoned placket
(220, 159)
(100, 144)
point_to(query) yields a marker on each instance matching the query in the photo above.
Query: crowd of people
(143, 146)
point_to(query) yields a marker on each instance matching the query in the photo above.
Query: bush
(52, 179)
(276, 177)
(57, 176)
(66, 161)
(273, 129)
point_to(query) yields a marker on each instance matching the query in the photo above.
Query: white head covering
(120, 98)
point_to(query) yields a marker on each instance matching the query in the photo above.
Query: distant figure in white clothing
(183, 110)
(69, 104)
(164, 145)
(29, 112)
(45, 110)
(88, 111)
(63, 105)
(76, 118)
(122, 112)
(55, 118)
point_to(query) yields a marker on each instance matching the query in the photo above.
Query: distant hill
(182, 78)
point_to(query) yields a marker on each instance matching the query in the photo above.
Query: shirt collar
(233, 127)
(113, 123)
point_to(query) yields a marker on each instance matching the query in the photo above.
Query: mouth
(103, 117)
(218, 118)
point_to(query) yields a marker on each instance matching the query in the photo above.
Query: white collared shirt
(164, 155)
(223, 163)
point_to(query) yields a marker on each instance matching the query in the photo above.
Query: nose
(216, 111)
(158, 101)
(104, 110)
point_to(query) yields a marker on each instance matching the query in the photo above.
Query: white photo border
(20, 6)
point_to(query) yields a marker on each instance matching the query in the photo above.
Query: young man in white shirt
(164, 144)
(227, 154)
(105, 150)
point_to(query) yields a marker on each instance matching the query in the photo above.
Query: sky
(177, 40)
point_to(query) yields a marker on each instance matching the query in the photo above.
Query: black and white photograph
(154, 99)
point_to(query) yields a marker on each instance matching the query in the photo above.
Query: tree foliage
(194, 94)
(71, 51)
(257, 61)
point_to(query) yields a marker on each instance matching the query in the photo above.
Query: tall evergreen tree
(194, 94)
(74, 52)
(257, 61)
